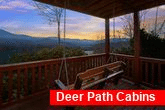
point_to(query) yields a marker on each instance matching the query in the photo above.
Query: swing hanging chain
(64, 54)
(65, 45)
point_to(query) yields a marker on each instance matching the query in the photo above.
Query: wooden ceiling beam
(91, 3)
(119, 12)
(104, 8)
(71, 6)
(109, 10)
(127, 9)
(102, 4)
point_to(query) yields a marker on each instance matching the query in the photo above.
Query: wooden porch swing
(94, 76)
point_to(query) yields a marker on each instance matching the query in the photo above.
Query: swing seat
(94, 76)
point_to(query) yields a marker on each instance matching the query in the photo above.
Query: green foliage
(46, 53)
(115, 47)
(151, 45)
(74, 52)
(123, 50)
(98, 48)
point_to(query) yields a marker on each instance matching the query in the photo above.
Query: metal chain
(64, 55)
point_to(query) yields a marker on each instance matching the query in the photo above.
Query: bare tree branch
(51, 13)
(127, 22)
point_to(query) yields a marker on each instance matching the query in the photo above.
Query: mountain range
(17, 43)
(8, 39)
(17, 40)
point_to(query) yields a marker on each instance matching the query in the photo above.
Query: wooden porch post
(137, 76)
(107, 44)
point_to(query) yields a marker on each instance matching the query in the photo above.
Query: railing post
(85, 64)
(159, 73)
(10, 86)
(1, 87)
(33, 79)
(137, 76)
(146, 72)
(18, 83)
(107, 44)
(51, 73)
(46, 75)
(25, 81)
(153, 74)
(39, 76)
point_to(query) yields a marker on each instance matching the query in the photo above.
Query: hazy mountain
(16, 43)
(9, 39)
(17, 40)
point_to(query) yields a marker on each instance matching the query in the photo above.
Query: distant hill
(16, 40)
(100, 47)
(8, 39)
(17, 43)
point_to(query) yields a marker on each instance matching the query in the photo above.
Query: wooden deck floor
(42, 103)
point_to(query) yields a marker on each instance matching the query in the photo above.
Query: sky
(21, 17)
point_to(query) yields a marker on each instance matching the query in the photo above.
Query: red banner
(107, 97)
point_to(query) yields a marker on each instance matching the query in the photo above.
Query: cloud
(85, 25)
(23, 11)
(10, 24)
(30, 28)
(15, 4)
(5, 7)
(162, 7)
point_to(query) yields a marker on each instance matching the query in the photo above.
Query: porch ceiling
(106, 8)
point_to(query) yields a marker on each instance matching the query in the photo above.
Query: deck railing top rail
(142, 58)
(152, 59)
(48, 61)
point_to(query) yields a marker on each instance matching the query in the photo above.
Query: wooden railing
(23, 80)
(129, 60)
(152, 69)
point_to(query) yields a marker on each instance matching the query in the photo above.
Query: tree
(157, 30)
(45, 54)
(128, 25)
(151, 45)
(51, 13)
